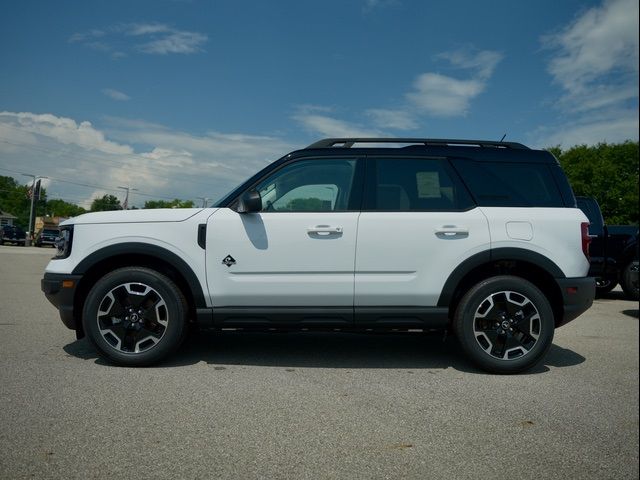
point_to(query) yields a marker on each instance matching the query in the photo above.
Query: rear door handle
(451, 230)
(324, 229)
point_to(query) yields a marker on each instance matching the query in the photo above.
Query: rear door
(418, 224)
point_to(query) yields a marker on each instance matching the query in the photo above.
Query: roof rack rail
(440, 142)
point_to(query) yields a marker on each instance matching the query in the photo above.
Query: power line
(101, 187)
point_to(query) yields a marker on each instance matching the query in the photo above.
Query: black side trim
(527, 256)
(273, 317)
(459, 273)
(326, 317)
(402, 317)
(202, 235)
(493, 255)
(148, 250)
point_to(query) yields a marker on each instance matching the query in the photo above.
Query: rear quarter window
(504, 184)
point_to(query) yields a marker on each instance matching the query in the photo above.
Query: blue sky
(185, 99)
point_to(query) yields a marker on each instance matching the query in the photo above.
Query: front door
(299, 251)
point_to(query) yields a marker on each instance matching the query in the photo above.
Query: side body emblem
(229, 260)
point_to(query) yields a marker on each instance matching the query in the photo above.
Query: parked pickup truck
(613, 251)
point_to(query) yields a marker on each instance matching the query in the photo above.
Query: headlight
(64, 242)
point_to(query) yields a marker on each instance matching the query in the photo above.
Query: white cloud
(433, 94)
(172, 164)
(311, 119)
(601, 40)
(82, 37)
(595, 62)
(484, 62)
(615, 128)
(446, 96)
(63, 130)
(176, 42)
(393, 119)
(145, 28)
(115, 94)
(150, 38)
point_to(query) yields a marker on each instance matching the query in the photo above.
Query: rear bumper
(60, 290)
(577, 297)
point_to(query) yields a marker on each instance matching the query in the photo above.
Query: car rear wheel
(135, 316)
(504, 324)
(604, 285)
(629, 281)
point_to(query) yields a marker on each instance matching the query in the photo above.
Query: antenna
(503, 136)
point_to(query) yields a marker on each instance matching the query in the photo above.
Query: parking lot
(310, 405)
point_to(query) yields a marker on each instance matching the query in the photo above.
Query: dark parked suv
(47, 236)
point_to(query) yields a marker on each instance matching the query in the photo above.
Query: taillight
(586, 238)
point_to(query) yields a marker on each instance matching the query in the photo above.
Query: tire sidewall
(176, 310)
(627, 286)
(464, 322)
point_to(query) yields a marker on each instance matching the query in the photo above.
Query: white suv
(483, 238)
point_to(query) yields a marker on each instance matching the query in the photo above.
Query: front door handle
(324, 230)
(451, 230)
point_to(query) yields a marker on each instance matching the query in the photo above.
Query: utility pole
(125, 205)
(31, 219)
(204, 201)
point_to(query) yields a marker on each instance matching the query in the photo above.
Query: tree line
(15, 199)
(607, 171)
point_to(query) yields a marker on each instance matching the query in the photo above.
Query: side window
(414, 184)
(309, 186)
(503, 184)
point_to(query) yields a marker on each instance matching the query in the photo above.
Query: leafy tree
(608, 172)
(15, 199)
(175, 203)
(60, 208)
(106, 203)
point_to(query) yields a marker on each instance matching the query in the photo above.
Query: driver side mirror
(249, 202)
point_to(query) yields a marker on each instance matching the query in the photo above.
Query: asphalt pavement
(310, 405)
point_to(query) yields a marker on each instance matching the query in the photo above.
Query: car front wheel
(135, 316)
(504, 324)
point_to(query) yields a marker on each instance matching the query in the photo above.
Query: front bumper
(60, 290)
(577, 297)
(47, 241)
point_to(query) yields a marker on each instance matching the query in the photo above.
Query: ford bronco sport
(481, 238)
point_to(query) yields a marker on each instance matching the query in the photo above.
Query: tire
(629, 281)
(504, 324)
(135, 316)
(605, 285)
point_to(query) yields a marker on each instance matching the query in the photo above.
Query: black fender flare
(506, 253)
(148, 250)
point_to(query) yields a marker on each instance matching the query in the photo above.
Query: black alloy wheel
(135, 316)
(505, 324)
